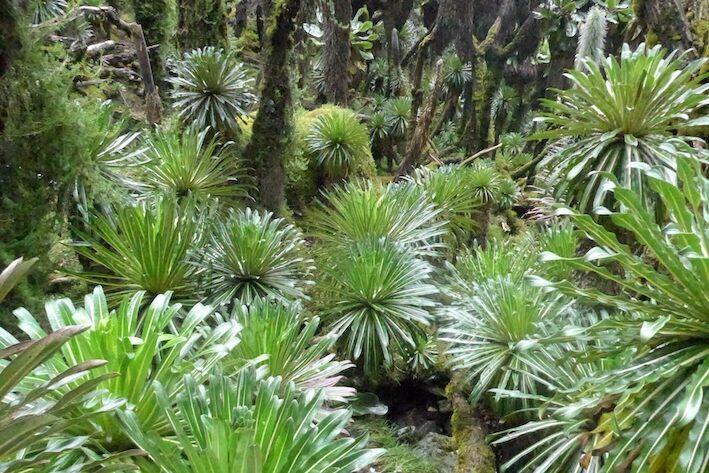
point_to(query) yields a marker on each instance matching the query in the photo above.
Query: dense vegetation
(346, 236)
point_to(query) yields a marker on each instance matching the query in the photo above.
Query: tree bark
(420, 137)
(151, 15)
(272, 129)
(453, 19)
(10, 43)
(10, 46)
(336, 51)
(201, 23)
(665, 22)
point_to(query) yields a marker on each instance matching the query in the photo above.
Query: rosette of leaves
(338, 141)
(398, 113)
(253, 254)
(376, 295)
(193, 164)
(160, 343)
(456, 73)
(493, 334)
(44, 10)
(37, 411)
(212, 90)
(359, 212)
(293, 350)
(142, 247)
(449, 188)
(242, 425)
(620, 117)
(505, 258)
(655, 408)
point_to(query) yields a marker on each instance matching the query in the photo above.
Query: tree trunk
(10, 43)
(420, 137)
(453, 20)
(336, 51)
(10, 46)
(151, 15)
(272, 129)
(153, 104)
(664, 22)
(201, 23)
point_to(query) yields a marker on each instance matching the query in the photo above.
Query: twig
(480, 153)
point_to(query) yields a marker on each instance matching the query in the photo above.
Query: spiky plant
(560, 238)
(294, 351)
(398, 113)
(337, 140)
(140, 346)
(449, 188)
(242, 425)
(378, 126)
(620, 117)
(36, 412)
(376, 296)
(655, 409)
(13, 273)
(561, 427)
(142, 247)
(484, 183)
(193, 164)
(456, 73)
(513, 143)
(493, 333)
(447, 138)
(500, 258)
(508, 193)
(424, 355)
(252, 254)
(212, 89)
(354, 213)
(44, 10)
(505, 103)
(592, 37)
(115, 152)
(116, 157)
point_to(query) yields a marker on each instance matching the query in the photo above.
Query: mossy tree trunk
(10, 45)
(201, 23)
(152, 16)
(469, 433)
(665, 22)
(336, 52)
(421, 135)
(272, 128)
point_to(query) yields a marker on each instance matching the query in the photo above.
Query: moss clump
(474, 454)
(399, 457)
(47, 144)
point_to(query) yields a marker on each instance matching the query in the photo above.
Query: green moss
(202, 23)
(474, 454)
(46, 145)
(248, 41)
(399, 457)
